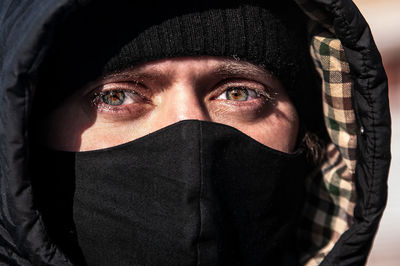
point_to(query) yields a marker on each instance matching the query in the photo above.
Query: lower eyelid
(122, 113)
(133, 107)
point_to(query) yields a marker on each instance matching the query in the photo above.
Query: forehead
(195, 65)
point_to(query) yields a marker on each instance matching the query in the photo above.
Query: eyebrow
(135, 75)
(227, 68)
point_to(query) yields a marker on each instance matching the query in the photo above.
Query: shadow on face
(127, 105)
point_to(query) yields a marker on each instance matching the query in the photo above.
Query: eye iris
(237, 94)
(114, 97)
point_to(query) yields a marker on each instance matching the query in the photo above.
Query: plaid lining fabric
(331, 193)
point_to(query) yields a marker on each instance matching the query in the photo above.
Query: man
(184, 134)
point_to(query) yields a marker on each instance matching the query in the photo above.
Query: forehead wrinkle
(140, 75)
(134, 75)
(241, 68)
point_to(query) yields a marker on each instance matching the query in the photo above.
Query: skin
(135, 102)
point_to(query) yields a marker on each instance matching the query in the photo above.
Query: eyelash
(261, 90)
(263, 93)
(97, 101)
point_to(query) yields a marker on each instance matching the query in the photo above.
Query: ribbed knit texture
(250, 33)
(106, 38)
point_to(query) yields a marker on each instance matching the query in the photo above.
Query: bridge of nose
(183, 101)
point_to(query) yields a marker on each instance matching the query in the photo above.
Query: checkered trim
(331, 193)
(329, 57)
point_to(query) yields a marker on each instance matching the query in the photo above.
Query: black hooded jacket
(345, 199)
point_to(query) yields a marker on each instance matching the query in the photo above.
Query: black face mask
(193, 193)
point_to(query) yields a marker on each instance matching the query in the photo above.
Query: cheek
(278, 130)
(104, 134)
(64, 128)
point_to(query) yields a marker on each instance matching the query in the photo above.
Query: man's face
(140, 100)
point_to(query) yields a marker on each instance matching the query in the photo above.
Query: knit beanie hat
(103, 37)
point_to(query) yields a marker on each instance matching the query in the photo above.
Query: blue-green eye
(113, 97)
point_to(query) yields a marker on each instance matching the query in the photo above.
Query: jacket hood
(345, 198)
